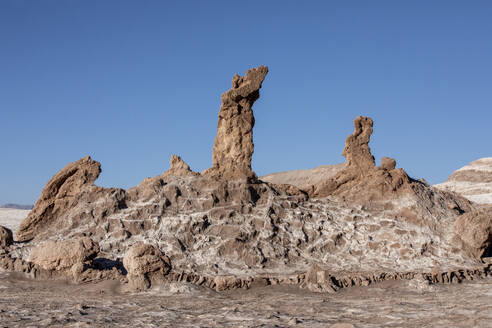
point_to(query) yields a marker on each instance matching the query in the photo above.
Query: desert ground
(28, 303)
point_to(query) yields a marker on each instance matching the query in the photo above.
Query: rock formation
(59, 194)
(361, 179)
(233, 146)
(475, 230)
(226, 229)
(63, 255)
(473, 181)
(70, 187)
(178, 167)
(6, 238)
(146, 265)
(357, 151)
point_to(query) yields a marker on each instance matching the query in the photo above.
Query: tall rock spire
(233, 146)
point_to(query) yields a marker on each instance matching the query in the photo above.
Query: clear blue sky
(132, 82)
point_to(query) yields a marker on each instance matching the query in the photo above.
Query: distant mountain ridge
(17, 206)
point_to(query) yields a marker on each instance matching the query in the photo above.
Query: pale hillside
(473, 181)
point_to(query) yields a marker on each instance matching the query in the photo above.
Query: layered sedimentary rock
(233, 146)
(473, 181)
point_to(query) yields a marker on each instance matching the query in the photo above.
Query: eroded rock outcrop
(357, 151)
(226, 229)
(146, 265)
(59, 194)
(63, 255)
(361, 179)
(6, 237)
(475, 230)
(178, 167)
(233, 146)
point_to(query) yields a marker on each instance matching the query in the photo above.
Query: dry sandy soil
(27, 303)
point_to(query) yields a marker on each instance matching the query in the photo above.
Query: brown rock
(475, 231)
(233, 146)
(388, 163)
(146, 265)
(6, 238)
(360, 178)
(59, 194)
(178, 167)
(357, 151)
(63, 255)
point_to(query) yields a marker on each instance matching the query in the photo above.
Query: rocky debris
(178, 167)
(146, 265)
(59, 194)
(233, 146)
(473, 181)
(475, 230)
(6, 237)
(63, 255)
(17, 206)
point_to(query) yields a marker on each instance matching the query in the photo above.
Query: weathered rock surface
(59, 194)
(6, 237)
(178, 167)
(146, 265)
(63, 255)
(360, 176)
(233, 146)
(473, 181)
(226, 229)
(475, 230)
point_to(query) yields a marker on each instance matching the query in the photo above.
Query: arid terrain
(28, 303)
(349, 245)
